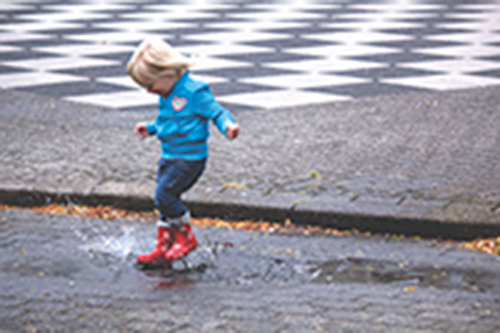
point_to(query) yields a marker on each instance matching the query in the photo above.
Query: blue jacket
(183, 120)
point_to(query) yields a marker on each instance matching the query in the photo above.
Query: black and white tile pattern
(255, 54)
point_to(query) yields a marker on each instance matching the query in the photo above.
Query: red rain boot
(157, 257)
(184, 242)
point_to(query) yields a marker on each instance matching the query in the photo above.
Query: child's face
(162, 86)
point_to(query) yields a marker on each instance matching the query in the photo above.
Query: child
(185, 108)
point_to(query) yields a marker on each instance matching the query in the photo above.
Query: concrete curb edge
(426, 228)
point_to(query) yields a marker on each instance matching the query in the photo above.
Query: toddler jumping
(185, 108)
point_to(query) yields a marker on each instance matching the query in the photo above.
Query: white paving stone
(6, 37)
(450, 81)
(281, 98)
(19, 80)
(118, 100)
(60, 63)
(116, 37)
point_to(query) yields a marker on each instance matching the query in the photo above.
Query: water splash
(121, 245)
(111, 245)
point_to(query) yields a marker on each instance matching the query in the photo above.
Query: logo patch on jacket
(178, 103)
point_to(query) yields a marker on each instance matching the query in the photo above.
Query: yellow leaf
(410, 288)
(234, 185)
(299, 201)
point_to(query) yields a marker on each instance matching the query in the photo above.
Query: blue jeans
(174, 178)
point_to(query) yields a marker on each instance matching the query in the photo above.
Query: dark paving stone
(368, 89)
(268, 57)
(286, 43)
(97, 71)
(386, 72)
(221, 89)
(400, 57)
(26, 55)
(9, 70)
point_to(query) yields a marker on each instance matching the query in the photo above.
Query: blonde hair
(154, 58)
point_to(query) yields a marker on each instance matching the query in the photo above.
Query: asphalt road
(63, 273)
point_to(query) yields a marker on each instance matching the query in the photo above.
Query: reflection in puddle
(357, 270)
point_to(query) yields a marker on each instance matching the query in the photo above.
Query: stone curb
(408, 225)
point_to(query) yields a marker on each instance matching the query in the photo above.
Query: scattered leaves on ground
(486, 245)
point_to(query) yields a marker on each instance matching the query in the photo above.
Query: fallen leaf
(410, 288)
(234, 185)
(299, 201)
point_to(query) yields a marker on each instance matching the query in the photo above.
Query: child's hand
(232, 131)
(141, 130)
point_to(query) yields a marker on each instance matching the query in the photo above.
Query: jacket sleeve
(151, 128)
(207, 107)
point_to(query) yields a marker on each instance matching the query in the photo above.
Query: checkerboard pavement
(254, 54)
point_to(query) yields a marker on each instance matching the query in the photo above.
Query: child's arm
(209, 108)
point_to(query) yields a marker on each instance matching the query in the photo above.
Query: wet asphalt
(71, 274)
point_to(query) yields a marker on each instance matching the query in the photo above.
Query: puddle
(217, 261)
(97, 255)
(357, 270)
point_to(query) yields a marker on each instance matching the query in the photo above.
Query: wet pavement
(63, 273)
